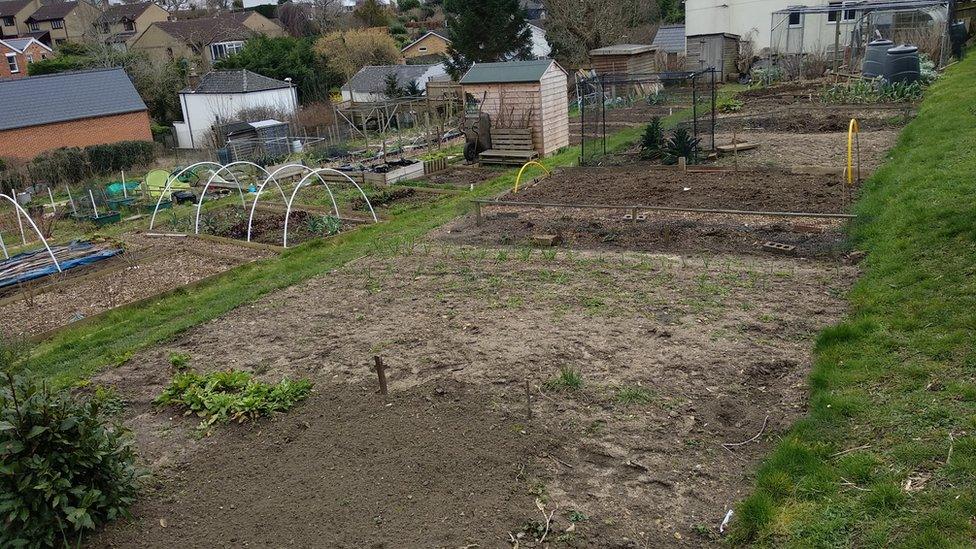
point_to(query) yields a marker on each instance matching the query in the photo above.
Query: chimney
(193, 79)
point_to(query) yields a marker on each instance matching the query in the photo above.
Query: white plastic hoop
(196, 225)
(40, 235)
(274, 174)
(169, 185)
(301, 183)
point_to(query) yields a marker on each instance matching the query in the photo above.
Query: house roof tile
(372, 79)
(119, 12)
(51, 12)
(236, 81)
(670, 38)
(207, 30)
(66, 96)
(10, 8)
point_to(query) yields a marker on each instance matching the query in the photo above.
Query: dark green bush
(681, 144)
(65, 467)
(67, 165)
(652, 139)
(120, 156)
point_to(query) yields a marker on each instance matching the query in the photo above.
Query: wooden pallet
(510, 146)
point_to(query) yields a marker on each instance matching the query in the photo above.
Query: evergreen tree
(485, 31)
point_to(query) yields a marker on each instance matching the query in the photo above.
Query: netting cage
(805, 41)
(610, 103)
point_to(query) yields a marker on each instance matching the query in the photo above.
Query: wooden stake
(380, 375)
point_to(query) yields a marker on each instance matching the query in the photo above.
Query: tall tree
(286, 57)
(347, 52)
(372, 14)
(574, 27)
(485, 31)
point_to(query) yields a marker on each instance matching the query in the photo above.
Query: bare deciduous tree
(574, 27)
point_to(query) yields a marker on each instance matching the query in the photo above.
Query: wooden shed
(624, 59)
(523, 98)
(719, 51)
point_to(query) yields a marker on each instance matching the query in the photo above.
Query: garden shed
(719, 51)
(623, 59)
(527, 96)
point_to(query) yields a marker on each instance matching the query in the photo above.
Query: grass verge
(887, 456)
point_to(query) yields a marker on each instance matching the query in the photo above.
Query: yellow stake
(851, 131)
(527, 164)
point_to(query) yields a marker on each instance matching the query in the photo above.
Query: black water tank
(875, 58)
(902, 64)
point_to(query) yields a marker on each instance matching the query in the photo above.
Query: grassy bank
(887, 456)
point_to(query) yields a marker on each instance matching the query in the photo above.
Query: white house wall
(540, 45)
(202, 111)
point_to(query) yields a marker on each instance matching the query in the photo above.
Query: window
(223, 50)
(422, 49)
(848, 15)
(12, 63)
(105, 28)
(59, 41)
(130, 26)
(57, 24)
(33, 26)
(796, 19)
(30, 59)
(8, 21)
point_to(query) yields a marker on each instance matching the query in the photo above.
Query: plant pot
(151, 207)
(106, 219)
(119, 203)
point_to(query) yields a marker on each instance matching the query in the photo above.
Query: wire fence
(610, 103)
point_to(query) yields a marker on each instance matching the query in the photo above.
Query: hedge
(73, 164)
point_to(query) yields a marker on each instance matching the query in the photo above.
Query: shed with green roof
(523, 95)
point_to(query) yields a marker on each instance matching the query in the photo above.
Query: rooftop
(372, 79)
(18, 44)
(206, 30)
(624, 49)
(66, 96)
(236, 81)
(511, 71)
(9, 8)
(51, 12)
(119, 12)
(670, 38)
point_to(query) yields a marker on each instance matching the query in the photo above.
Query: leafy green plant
(569, 378)
(872, 91)
(179, 360)
(681, 144)
(220, 397)
(652, 139)
(657, 98)
(324, 225)
(764, 78)
(730, 105)
(65, 467)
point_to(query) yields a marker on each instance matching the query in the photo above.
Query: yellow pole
(851, 131)
(518, 178)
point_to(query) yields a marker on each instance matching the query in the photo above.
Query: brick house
(71, 109)
(435, 42)
(13, 16)
(65, 21)
(17, 53)
(122, 24)
(206, 39)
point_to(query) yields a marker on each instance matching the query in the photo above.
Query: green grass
(569, 379)
(629, 395)
(892, 393)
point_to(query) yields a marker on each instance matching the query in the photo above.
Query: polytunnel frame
(301, 183)
(20, 210)
(196, 224)
(260, 190)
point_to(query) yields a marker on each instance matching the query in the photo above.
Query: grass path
(887, 456)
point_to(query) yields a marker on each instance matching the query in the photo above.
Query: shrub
(65, 467)
(681, 144)
(67, 165)
(220, 397)
(120, 156)
(652, 139)
(765, 78)
(730, 105)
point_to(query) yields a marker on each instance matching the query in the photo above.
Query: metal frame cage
(611, 101)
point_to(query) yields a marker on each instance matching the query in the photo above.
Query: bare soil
(785, 150)
(816, 118)
(464, 176)
(719, 346)
(156, 265)
(644, 183)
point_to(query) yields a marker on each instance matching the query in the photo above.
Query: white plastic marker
(92, 196)
(125, 193)
(4, 248)
(54, 209)
(725, 521)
